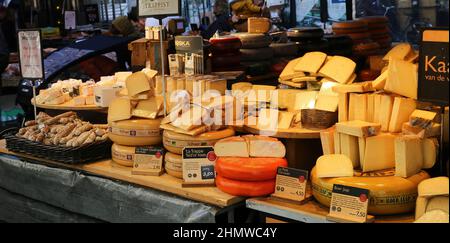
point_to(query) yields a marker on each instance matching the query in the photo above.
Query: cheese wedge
(147, 108)
(285, 119)
(311, 62)
(421, 118)
(289, 72)
(358, 128)
(421, 207)
(339, 68)
(137, 83)
(232, 147)
(122, 76)
(334, 165)
(433, 131)
(435, 216)
(380, 153)
(437, 186)
(327, 103)
(190, 119)
(376, 107)
(401, 111)
(149, 73)
(283, 97)
(354, 88)
(119, 109)
(343, 107)
(350, 148)
(385, 112)
(304, 100)
(399, 52)
(408, 156)
(327, 140)
(265, 147)
(79, 100)
(430, 148)
(370, 107)
(352, 79)
(358, 107)
(380, 82)
(402, 78)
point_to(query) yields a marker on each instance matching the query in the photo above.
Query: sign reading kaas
(159, 8)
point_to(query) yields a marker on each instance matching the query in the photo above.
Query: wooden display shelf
(165, 183)
(309, 212)
(69, 106)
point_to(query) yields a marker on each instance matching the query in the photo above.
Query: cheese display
(249, 169)
(402, 78)
(437, 186)
(258, 25)
(358, 128)
(135, 132)
(245, 188)
(311, 62)
(334, 165)
(261, 146)
(435, 216)
(173, 165)
(119, 109)
(339, 69)
(123, 155)
(408, 156)
(400, 52)
(380, 153)
(422, 118)
(401, 111)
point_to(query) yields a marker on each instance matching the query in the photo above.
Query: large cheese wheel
(305, 33)
(284, 49)
(174, 165)
(175, 142)
(389, 194)
(351, 24)
(249, 169)
(245, 188)
(225, 44)
(253, 55)
(123, 155)
(135, 132)
(228, 60)
(253, 41)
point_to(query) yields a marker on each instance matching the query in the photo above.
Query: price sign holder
(292, 185)
(198, 166)
(349, 205)
(148, 161)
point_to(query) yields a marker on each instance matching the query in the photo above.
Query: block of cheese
(362, 150)
(104, 95)
(399, 52)
(283, 97)
(122, 76)
(137, 83)
(327, 140)
(370, 107)
(430, 148)
(435, 216)
(376, 107)
(350, 148)
(265, 147)
(190, 119)
(258, 25)
(334, 165)
(354, 88)
(358, 128)
(285, 119)
(311, 62)
(79, 100)
(421, 118)
(401, 111)
(243, 86)
(264, 87)
(337, 142)
(421, 207)
(380, 82)
(408, 156)
(437, 186)
(327, 103)
(339, 68)
(304, 79)
(433, 131)
(60, 100)
(380, 153)
(232, 147)
(327, 88)
(219, 85)
(385, 111)
(343, 107)
(289, 72)
(268, 119)
(402, 78)
(303, 100)
(358, 107)
(119, 109)
(148, 108)
(437, 203)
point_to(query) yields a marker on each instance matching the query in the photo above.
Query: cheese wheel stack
(247, 165)
(225, 53)
(256, 55)
(379, 30)
(308, 39)
(358, 31)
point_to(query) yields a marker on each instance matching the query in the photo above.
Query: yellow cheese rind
(402, 78)
(339, 68)
(358, 128)
(433, 131)
(408, 156)
(337, 142)
(334, 165)
(350, 148)
(430, 148)
(137, 83)
(123, 155)
(401, 111)
(311, 62)
(135, 132)
(380, 153)
(437, 186)
(421, 118)
(119, 109)
(362, 150)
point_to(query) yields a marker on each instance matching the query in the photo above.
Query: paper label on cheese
(135, 132)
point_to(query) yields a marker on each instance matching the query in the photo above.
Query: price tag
(349, 204)
(291, 184)
(198, 165)
(148, 161)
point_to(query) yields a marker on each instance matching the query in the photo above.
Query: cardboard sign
(92, 13)
(148, 160)
(198, 165)
(349, 204)
(434, 66)
(291, 184)
(159, 8)
(30, 54)
(70, 20)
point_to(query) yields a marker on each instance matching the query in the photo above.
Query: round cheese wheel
(389, 194)
(173, 165)
(359, 37)
(135, 132)
(366, 49)
(245, 188)
(379, 33)
(351, 24)
(261, 54)
(249, 169)
(225, 44)
(305, 33)
(175, 142)
(226, 60)
(253, 41)
(279, 37)
(123, 155)
(284, 49)
(375, 22)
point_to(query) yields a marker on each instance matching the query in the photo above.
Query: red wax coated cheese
(245, 188)
(249, 169)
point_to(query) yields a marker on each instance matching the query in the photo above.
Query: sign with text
(291, 184)
(92, 13)
(70, 20)
(349, 204)
(434, 66)
(159, 8)
(198, 165)
(148, 160)
(30, 54)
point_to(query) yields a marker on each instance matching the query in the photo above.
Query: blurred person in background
(244, 9)
(222, 23)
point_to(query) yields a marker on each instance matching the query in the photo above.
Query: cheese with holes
(358, 107)
(435, 216)
(339, 68)
(362, 150)
(334, 165)
(350, 148)
(430, 148)
(437, 186)
(343, 107)
(385, 111)
(137, 83)
(265, 147)
(311, 62)
(232, 147)
(289, 72)
(401, 111)
(135, 132)
(400, 52)
(358, 128)
(327, 140)
(408, 156)
(421, 118)
(285, 119)
(370, 107)
(327, 103)
(402, 78)
(147, 108)
(119, 109)
(380, 153)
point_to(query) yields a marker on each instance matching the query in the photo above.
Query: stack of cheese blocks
(432, 201)
(247, 165)
(383, 129)
(133, 118)
(72, 92)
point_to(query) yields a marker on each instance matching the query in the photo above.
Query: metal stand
(163, 78)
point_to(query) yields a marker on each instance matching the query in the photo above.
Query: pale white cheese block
(435, 216)
(437, 186)
(334, 165)
(231, 147)
(408, 156)
(265, 147)
(401, 111)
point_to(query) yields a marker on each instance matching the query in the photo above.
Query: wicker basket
(318, 119)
